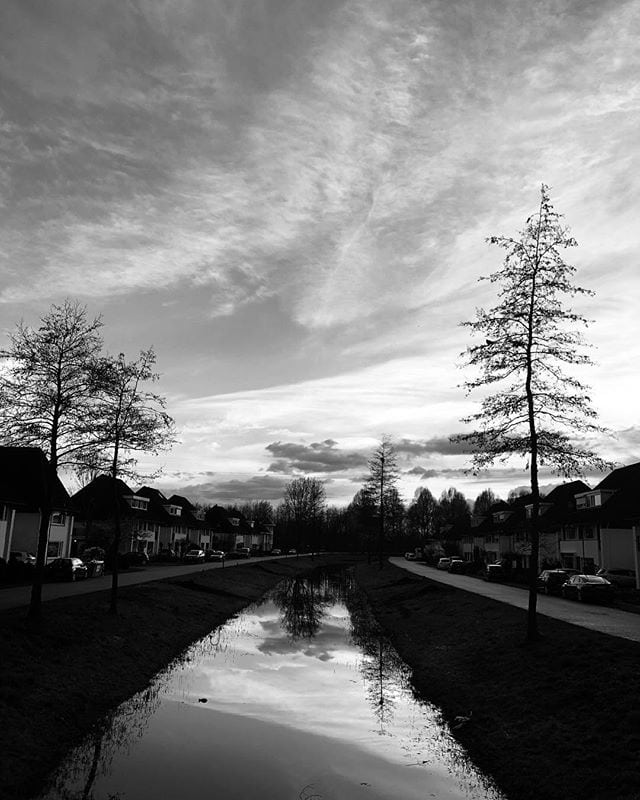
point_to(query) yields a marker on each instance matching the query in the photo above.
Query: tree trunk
(113, 607)
(35, 604)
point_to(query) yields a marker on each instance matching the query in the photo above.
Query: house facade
(25, 480)
(601, 530)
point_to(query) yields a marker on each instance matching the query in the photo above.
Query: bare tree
(130, 420)
(483, 502)
(303, 506)
(528, 338)
(422, 515)
(382, 480)
(47, 388)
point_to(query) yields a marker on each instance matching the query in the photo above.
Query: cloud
(234, 490)
(441, 445)
(316, 457)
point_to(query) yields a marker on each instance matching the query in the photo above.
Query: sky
(290, 199)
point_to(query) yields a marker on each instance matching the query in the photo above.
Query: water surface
(299, 697)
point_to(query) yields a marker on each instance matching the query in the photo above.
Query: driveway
(623, 624)
(16, 596)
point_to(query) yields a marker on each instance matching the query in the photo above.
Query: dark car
(194, 556)
(22, 557)
(166, 555)
(550, 581)
(213, 555)
(66, 569)
(494, 572)
(622, 578)
(457, 566)
(135, 558)
(588, 589)
(94, 559)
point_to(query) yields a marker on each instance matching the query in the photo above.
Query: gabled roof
(24, 473)
(564, 493)
(97, 499)
(178, 500)
(623, 478)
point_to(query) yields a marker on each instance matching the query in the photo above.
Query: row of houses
(580, 527)
(150, 521)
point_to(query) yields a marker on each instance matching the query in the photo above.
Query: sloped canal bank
(559, 719)
(59, 677)
(298, 696)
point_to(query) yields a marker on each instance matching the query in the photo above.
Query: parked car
(166, 555)
(66, 569)
(94, 560)
(194, 557)
(134, 558)
(550, 581)
(588, 588)
(443, 563)
(458, 566)
(410, 556)
(494, 572)
(22, 557)
(213, 555)
(276, 552)
(243, 552)
(622, 578)
(292, 552)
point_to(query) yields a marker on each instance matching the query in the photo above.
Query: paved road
(16, 596)
(624, 624)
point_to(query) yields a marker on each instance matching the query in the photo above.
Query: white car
(443, 563)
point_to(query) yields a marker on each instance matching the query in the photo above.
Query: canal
(299, 697)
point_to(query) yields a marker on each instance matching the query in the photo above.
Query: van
(243, 552)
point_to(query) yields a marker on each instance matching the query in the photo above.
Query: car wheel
(73, 576)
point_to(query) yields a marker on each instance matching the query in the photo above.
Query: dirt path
(603, 619)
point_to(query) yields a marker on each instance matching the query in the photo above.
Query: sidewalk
(611, 621)
(17, 596)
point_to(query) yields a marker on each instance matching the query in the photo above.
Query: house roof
(96, 499)
(24, 473)
(626, 478)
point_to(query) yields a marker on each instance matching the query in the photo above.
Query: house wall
(25, 534)
(575, 553)
(617, 548)
(4, 537)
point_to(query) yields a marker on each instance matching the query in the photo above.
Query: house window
(54, 549)
(138, 502)
(58, 518)
(569, 533)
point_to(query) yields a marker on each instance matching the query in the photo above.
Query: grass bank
(558, 719)
(59, 677)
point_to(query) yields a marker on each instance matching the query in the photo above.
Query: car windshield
(594, 579)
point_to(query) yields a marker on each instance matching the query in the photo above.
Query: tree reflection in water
(303, 602)
(385, 674)
(115, 734)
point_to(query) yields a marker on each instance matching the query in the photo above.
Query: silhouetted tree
(303, 506)
(422, 515)
(130, 420)
(47, 389)
(381, 483)
(527, 338)
(483, 502)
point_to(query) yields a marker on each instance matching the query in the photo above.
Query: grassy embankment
(558, 719)
(58, 678)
